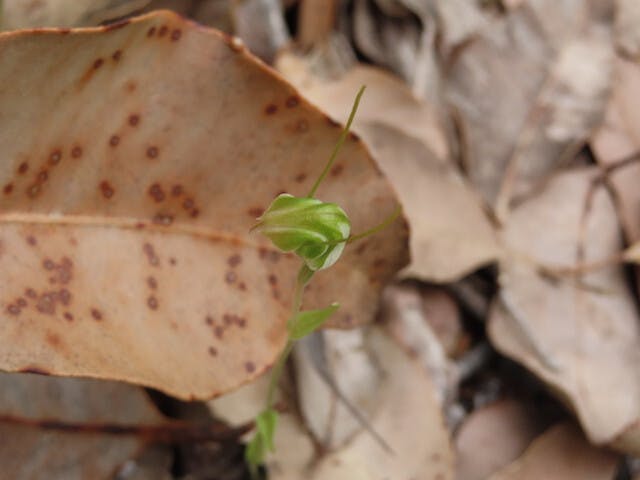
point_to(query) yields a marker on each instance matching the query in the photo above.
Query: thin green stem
(304, 275)
(341, 140)
(381, 226)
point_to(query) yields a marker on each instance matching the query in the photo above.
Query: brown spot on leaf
(234, 260)
(13, 309)
(98, 63)
(249, 367)
(273, 280)
(230, 277)
(96, 314)
(292, 101)
(54, 159)
(134, 119)
(152, 282)
(8, 188)
(270, 109)
(241, 322)
(31, 240)
(117, 55)
(21, 302)
(152, 302)
(53, 339)
(30, 293)
(151, 32)
(208, 320)
(212, 351)
(48, 264)
(163, 31)
(188, 204)
(106, 189)
(337, 170)
(68, 316)
(242, 286)
(34, 190)
(114, 140)
(150, 252)
(24, 167)
(361, 248)
(255, 212)
(176, 34)
(177, 190)
(218, 332)
(43, 176)
(156, 192)
(173, 261)
(152, 152)
(194, 213)
(65, 296)
(76, 152)
(46, 303)
(301, 177)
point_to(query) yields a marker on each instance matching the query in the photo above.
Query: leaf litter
(484, 142)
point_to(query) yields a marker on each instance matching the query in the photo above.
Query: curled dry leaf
(561, 453)
(37, 413)
(406, 138)
(581, 337)
(528, 90)
(64, 13)
(135, 158)
(492, 437)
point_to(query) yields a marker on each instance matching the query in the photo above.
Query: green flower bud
(315, 230)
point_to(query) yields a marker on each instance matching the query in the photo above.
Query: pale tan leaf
(492, 437)
(134, 162)
(405, 137)
(33, 448)
(619, 137)
(582, 338)
(561, 453)
(528, 91)
(406, 414)
(627, 27)
(64, 13)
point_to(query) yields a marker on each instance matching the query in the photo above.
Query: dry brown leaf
(64, 13)
(492, 437)
(561, 453)
(528, 90)
(406, 139)
(32, 405)
(583, 339)
(135, 159)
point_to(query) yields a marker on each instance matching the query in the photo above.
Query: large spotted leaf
(133, 161)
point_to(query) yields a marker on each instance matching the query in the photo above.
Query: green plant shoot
(317, 232)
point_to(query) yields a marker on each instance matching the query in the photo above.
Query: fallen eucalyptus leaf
(135, 158)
